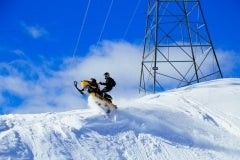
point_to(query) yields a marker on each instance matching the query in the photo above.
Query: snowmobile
(94, 91)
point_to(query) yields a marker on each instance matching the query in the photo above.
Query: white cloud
(18, 52)
(43, 89)
(121, 59)
(34, 31)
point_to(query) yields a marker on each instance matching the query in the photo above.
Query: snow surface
(198, 122)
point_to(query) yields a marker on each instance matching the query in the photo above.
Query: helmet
(106, 74)
(93, 80)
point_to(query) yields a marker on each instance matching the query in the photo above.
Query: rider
(109, 84)
(94, 86)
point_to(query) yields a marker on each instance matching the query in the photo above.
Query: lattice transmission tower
(177, 50)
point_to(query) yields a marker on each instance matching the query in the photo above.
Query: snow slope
(198, 122)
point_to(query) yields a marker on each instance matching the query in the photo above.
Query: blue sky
(40, 60)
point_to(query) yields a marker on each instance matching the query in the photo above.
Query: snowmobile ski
(81, 91)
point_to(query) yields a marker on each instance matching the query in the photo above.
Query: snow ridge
(196, 122)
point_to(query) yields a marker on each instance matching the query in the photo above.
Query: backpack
(112, 82)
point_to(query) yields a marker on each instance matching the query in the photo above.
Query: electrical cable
(104, 24)
(81, 29)
(130, 22)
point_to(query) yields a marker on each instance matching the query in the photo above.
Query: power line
(130, 22)
(81, 29)
(104, 24)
